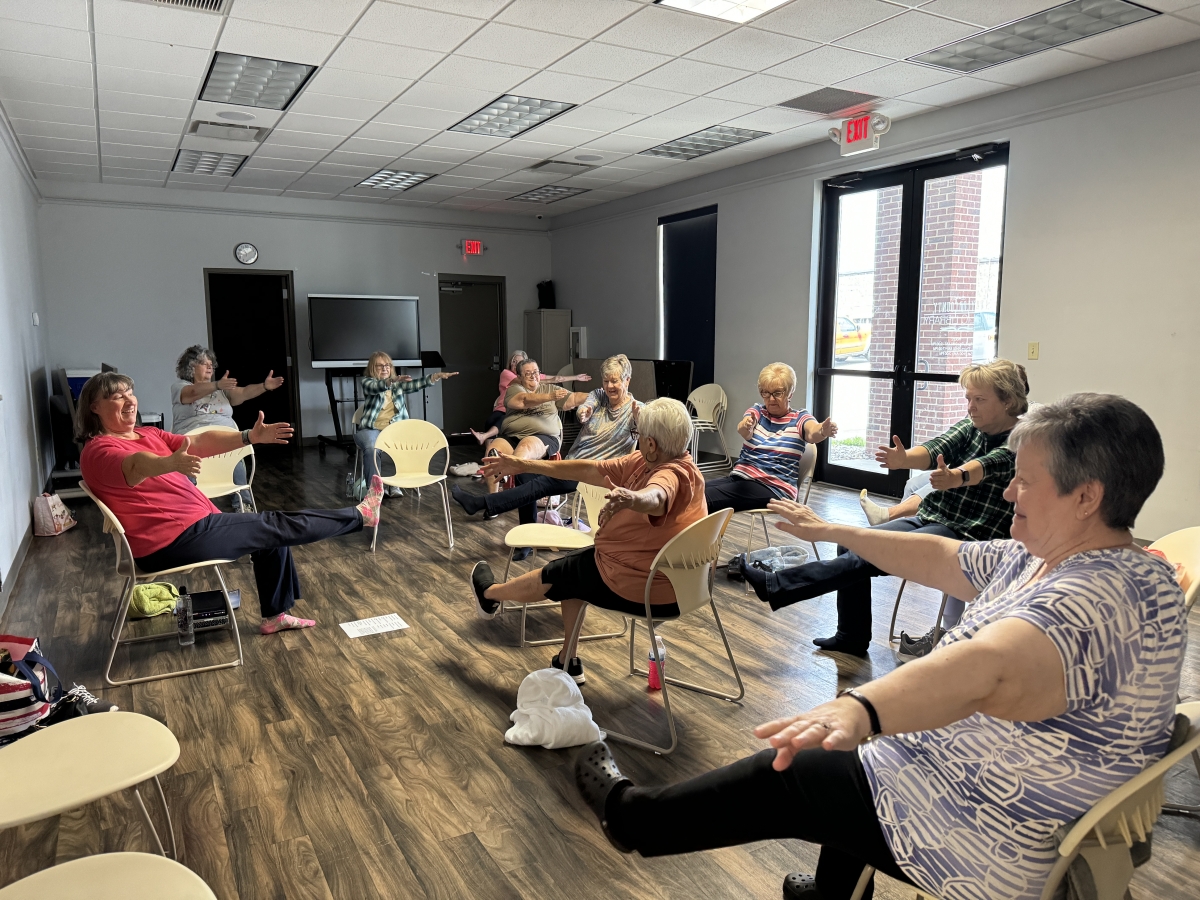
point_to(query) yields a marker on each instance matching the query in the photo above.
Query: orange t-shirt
(629, 541)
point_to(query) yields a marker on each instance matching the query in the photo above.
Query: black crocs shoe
(481, 580)
(596, 774)
(839, 643)
(800, 887)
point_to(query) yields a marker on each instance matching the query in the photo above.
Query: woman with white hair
(775, 434)
(654, 493)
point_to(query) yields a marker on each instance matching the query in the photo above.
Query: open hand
(584, 377)
(893, 457)
(840, 724)
(801, 520)
(942, 479)
(441, 376)
(827, 430)
(182, 461)
(618, 498)
(224, 383)
(276, 433)
(501, 466)
(272, 381)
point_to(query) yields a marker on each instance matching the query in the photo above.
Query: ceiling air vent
(831, 102)
(212, 6)
(558, 167)
(227, 132)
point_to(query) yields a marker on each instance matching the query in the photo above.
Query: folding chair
(113, 876)
(411, 444)
(687, 560)
(216, 472)
(708, 405)
(892, 636)
(127, 568)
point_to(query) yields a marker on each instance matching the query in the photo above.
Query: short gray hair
(669, 423)
(1098, 437)
(188, 359)
(520, 369)
(617, 365)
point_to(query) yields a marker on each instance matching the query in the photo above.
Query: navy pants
(523, 497)
(266, 537)
(738, 494)
(848, 574)
(823, 798)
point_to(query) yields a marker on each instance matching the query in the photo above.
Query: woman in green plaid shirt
(972, 466)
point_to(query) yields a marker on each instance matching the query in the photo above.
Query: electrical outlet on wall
(36, 321)
(1034, 349)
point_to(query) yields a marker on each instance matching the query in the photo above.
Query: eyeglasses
(773, 395)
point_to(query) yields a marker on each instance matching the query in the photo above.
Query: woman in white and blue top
(954, 772)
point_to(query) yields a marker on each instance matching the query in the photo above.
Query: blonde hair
(1006, 378)
(617, 365)
(515, 358)
(375, 357)
(778, 371)
(669, 423)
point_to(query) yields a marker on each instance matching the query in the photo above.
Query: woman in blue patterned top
(954, 772)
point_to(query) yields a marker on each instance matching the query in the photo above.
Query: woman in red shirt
(141, 474)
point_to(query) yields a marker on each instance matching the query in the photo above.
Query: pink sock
(369, 508)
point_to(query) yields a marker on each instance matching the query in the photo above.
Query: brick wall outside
(883, 334)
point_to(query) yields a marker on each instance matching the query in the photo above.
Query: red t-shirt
(154, 512)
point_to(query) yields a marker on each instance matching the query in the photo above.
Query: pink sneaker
(369, 508)
(283, 622)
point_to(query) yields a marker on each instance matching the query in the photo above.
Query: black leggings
(738, 494)
(267, 537)
(822, 798)
(525, 495)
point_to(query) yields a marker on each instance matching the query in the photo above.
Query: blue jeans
(921, 486)
(365, 438)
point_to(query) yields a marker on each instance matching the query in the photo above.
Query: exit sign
(472, 248)
(861, 133)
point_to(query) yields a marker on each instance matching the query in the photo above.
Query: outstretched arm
(584, 470)
(212, 443)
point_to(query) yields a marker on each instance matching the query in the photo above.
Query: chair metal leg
(937, 623)
(546, 604)
(1186, 809)
(149, 822)
(864, 881)
(446, 510)
(167, 812)
(892, 636)
(253, 502)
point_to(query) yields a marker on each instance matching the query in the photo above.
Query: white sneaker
(876, 514)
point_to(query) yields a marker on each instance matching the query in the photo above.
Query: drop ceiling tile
(577, 18)
(108, 148)
(22, 127)
(279, 150)
(317, 104)
(529, 179)
(825, 20)
(457, 99)
(57, 157)
(41, 92)
(235, 188)
(44, 68)
(902, 109)
(141, 138)
(316, 140)
(191, 184)
(375, 58)
(517, 46)
(690, 77)
(484, 193)
(461, 181)
(368, 195)
(476, 143)
(358, 85)
(45, 40)
(594, 118)
(127, 162)
(649, 163)
(65, 168)
(534, 148)
(356, 172)
(989, 13)
(45, 112)
(472, 169)
(907, 34)
(827, 65)
(147, 181)
(1191, 12)
(446, 155)
(1038, 67)
(658, 127)
(706, 111)
(417, 116)
(141, 81)
(896, 79)
(652, 179)
(620, 144)
(145, 104)
(434, 191)
(427, 166)
(60, 13)
(331, 16)
(311, 195)
(151, 56)
(276, 164)
(600, 179)
(404, 200)
(412, 27)
(155, 176)
(607, 61)
(750, 48)
(35, 142)
(1140, 37)
(276, 42)
(665, 30)
(323, 183)
(634, 98)
(553, 133)
(368, 147)
(503, 164)
(404, 134)
(310, 124)
(778, 118)
(478, 74)
(156, 23)
(135, 122)
(566, 88)
(93, 178)
(763, 90)
(958, 90)
(367, 160)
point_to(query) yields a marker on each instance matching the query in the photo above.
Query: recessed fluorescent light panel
(252, 81)
(511, 115)
(729, 10)
(701, 143)
(549, 194)
(1061, 25)
(204, 162)
(394, 180)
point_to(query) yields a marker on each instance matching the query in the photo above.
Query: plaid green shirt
(979, 512)
(377, 391)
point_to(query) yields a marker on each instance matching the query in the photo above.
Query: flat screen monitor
(347, 328)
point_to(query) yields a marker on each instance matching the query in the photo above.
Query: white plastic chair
(128, 569)
(216, 472)
(708, 405)
(688, 560)
(808, 465)
(90, 757)
(1104, 834)
(541, 536)
(112, 876)
(411, 444)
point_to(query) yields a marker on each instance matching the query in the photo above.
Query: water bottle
(184, 623)
(655, 677)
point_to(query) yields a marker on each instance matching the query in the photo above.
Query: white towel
(551, 712)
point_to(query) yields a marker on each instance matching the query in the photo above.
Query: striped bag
(25, 697)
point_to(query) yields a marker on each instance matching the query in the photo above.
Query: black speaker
(545, 291)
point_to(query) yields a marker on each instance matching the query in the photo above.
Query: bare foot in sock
(876, 514)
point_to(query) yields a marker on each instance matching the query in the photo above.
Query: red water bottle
(655, 676)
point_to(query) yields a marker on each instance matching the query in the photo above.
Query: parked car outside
(852, 339)
(983, 348)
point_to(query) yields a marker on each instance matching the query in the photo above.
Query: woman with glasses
(774, 435)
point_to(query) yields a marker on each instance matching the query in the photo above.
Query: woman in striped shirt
(775, 435)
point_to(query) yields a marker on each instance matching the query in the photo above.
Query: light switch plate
(1034, 349)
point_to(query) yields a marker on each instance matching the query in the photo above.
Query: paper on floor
(375, 625)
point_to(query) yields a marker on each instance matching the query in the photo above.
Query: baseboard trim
(14, 571)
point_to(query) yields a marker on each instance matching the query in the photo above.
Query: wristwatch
(876, 730)
(245, 437)
(965, 477)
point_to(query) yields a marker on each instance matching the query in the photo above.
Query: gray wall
(125, 283)
(1100, 260)
(26, 452)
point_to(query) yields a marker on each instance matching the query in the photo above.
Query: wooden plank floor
(354, 769)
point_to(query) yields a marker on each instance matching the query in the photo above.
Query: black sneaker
(915, 648)
(733, 570)
(520, 554)
(481, 580)
(574, 668)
